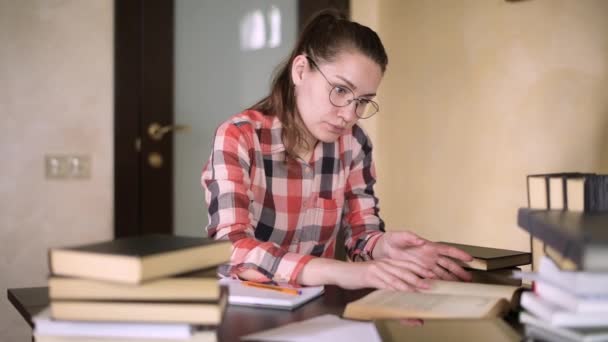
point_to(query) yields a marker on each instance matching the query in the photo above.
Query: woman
(286, 175)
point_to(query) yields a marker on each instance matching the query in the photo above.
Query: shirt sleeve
(361, 219)
(227, 183)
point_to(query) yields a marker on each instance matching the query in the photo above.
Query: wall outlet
(67, 166)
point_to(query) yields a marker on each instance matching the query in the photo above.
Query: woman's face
(350, 71)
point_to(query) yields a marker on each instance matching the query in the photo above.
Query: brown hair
(326, 35)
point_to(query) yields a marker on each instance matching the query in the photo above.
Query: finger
(453, 252)
(385, 280)
(426, 261)
(443, 274)
(380, 282)
(454, 268)
(421, 271)
(393, 282)
(403, 275)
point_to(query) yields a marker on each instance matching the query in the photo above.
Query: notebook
(241, 294)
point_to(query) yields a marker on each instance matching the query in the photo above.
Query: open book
(445, 299)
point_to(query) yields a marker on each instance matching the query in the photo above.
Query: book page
(471, 289)
(325, 328)
(393, 304)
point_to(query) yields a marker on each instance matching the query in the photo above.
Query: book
(242, 295)
(536, 328)
(503, 276)
(198, 336)
(193, 286)
(445, 299)
(134, 260)
(557, 316)
(587, 193)
(453, 330)
(579, 283)
(564, 298)
(204, 313)
(580, 237)
(45, 326)
(562, 262)
(488, 258)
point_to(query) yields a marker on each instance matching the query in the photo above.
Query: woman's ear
(298, 66)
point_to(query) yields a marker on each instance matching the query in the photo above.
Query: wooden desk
(238, 321)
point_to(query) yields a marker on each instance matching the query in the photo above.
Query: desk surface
(30, 301)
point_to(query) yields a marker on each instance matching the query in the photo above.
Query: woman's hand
(381, 274)
(431, 256)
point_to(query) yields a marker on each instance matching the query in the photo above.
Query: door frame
(143, 83)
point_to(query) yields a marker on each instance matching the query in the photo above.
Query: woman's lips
(335, 129)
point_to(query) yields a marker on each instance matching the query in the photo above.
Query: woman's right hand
(381, 274)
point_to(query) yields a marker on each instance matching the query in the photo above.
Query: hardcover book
(488, 258)
(136, 259)
(560, 317)
(537, 329)
(579, 237)
(204, 313)
(193, 286)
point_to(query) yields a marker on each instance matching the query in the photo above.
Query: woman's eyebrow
(348, 83)
(354, 87)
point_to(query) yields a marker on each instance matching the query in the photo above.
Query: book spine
(596, 192)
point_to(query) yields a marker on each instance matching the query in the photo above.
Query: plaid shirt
(278, 214)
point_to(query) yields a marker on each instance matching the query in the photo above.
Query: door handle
(157, 131)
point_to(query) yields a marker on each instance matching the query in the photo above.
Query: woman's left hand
(435, 257)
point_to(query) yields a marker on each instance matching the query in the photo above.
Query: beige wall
(478, 94)
(55, 97)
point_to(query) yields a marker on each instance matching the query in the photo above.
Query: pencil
(285, 290)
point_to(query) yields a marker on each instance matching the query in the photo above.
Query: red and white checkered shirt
(280, 214)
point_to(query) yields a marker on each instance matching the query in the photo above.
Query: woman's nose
(349, 112)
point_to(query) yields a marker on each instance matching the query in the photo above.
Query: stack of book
(569, 301)
(133, 289)
(566, 305)
(493, 265)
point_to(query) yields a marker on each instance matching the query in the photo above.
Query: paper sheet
(326, 328)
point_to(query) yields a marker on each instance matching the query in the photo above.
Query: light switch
(61, 166)
(79, 166)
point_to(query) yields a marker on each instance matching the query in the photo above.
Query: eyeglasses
(341, 96)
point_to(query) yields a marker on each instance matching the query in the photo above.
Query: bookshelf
(580, 237)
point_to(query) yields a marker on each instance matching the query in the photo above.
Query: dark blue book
(578, 236)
